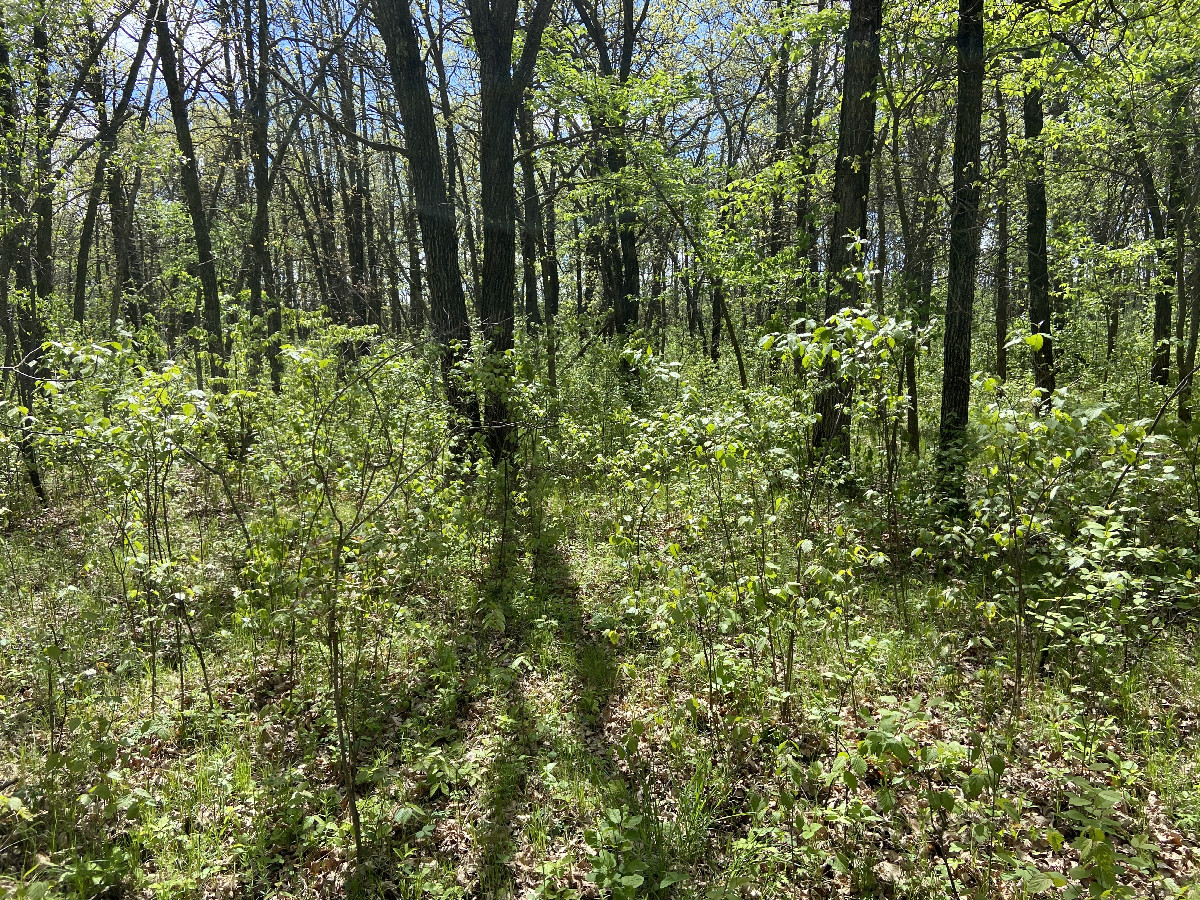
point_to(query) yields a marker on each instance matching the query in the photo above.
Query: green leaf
(1035, 881)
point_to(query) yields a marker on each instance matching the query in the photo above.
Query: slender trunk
(964, 251)
(1189, 358)
(1164, 293)
(23, 328)
(43, 198)
(1002, 286)
(782, 134)
(354, 200)
(718, 312)
(805, 218)
(1038, 268)
(852, 184)
(262, 277)
(190, 178)
(531, 220)
(86, 233)
(416, 291)
(1181, 212)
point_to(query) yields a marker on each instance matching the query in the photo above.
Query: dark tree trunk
(23, 327)
(1164, 294)
(851, 186)
(354, 199)
(805, 218)
(493, 25)
(1038, 266)
(262, 276)
(964, 251)
(1002, 285)
(620, 273)
(916, 226)
(1182, 213)
(435, 213)
(43, 199)
(1193, 330)
(87, 233)
(190, 179)
(416, 290)
(718, 311)
(531, 220)
(783, 67)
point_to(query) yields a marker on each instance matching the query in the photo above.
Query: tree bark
(190, 179)
(851, 186)
(262, 276)
(1164, 293)
(493, 26)
(435, 213)
(23, 328)
(531, 220)
(1038, 267)
(964, 251)
(1002, 284)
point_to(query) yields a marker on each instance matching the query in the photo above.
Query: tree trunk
(531, 220)
(1002, 286)
(258, 43)
(1189, 357)
(805, 219)
(435, 213)
(493, 26)
(43, 198)
(1164, 293)
(964, 251)
(23, 328)
(190, 179)
(783, 57)
(1038, 268)
(1181, 213)
(851, 186)
(354, 199)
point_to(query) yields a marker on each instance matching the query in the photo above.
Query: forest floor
(288, 646)
(553, 744)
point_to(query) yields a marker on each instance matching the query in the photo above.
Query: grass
(586, 700)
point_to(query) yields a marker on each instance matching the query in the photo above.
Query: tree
(189, 176)
(1035, 243)
(964, 250)
(851, 185)
(435, 213)
(502, 88)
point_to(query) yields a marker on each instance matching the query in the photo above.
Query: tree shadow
(547, 635)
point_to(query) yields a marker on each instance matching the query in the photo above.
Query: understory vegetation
(308, 643)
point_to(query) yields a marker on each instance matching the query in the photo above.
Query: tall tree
(189, 176)
(24, 329)
(964, 249)
(1164, 293)
(435, 212)
(620, 267)
(1002, 238)
(257, 38)
(1037, 265)
(851, 186)
(502, 88)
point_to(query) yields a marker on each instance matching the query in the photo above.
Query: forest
(604, 449)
